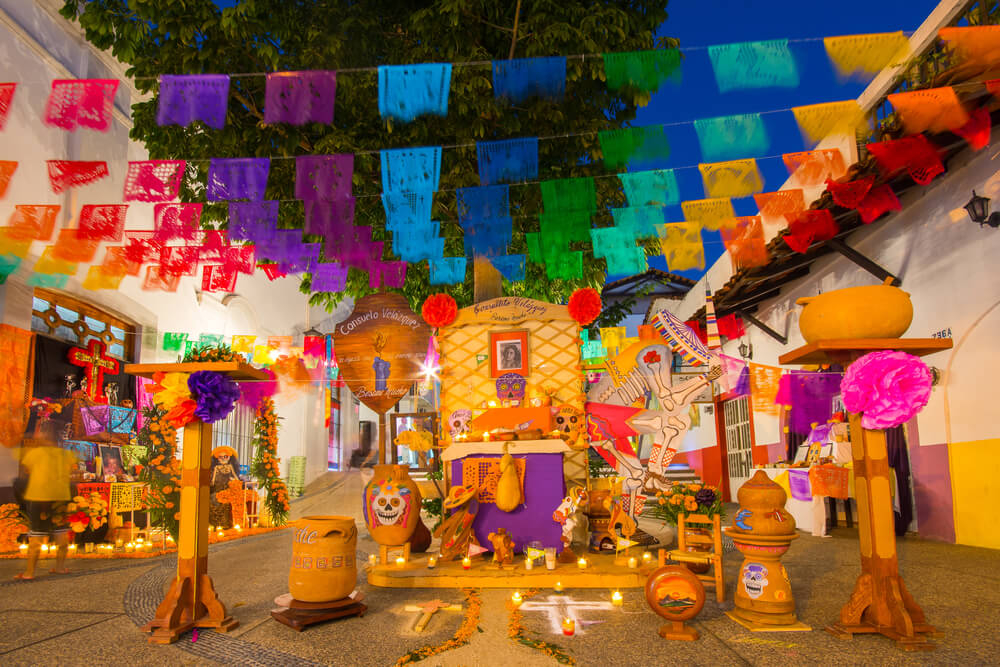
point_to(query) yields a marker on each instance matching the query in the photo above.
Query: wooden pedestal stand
(300, 615)
(192, 601)
(880, 602)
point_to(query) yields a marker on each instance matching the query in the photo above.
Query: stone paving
(92, 616)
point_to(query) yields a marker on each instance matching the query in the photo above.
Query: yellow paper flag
(243, 344)
(9, 245)
(866, 55)
(612, 337)
(262, 355)
(782, 481)
(817, 121)
(681, 245)
(97, 279)
(735, 178)
(49, 263)
(711, 214)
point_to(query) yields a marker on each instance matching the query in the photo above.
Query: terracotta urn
(392, 505)
(762, 531)
(323, 558)
(871, 311)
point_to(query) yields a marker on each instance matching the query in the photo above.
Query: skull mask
(458, 422)
(390, 504)
(510, 386)
(569, 419)
(754, 579)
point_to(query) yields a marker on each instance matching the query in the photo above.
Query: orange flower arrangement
(236, 496)
(266, 465)
(160, 469)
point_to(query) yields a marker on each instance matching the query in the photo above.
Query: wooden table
(191, 601)
(880, 602)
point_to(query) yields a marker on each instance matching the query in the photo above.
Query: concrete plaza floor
(92, 615)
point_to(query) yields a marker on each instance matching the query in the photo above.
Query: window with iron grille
(65, 318)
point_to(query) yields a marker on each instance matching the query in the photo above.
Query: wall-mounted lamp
(978, 209)
(746, 350)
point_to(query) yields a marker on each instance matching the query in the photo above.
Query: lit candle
(516, 598)
(568, 627)
(72, 548)
(211, 528)
(646, 557)
(466, 563)
(529, 563)
(139, 540)
(23, 548)
(45, 549)
(88, 547)
(220, 534)
(632, 563)
(129, 548)
(238, 528)
(118, 543)
(432, 562)
(559, 587)
(616, 598)
(486, 436)
(400, 561)
(170, 539)
(372, 560)
(582, 563)
(147, 547)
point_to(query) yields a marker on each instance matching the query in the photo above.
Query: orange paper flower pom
(585, 305)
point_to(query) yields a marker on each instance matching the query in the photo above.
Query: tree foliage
(196, 36)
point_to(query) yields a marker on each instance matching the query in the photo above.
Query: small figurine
(565, 515)
(503, 547)
(69, 384)
(111, 392)
(456, 531)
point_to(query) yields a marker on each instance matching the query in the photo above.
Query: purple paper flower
(888, 388)
(705, 497)
(216, 395)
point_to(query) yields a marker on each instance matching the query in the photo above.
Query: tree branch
(513, 39)
(245, 101)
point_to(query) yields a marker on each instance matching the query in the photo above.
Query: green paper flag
(210, 340)
(569, 194)
(633, 144)
(173, 342)
(644, 70)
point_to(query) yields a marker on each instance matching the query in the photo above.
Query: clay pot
(392, 505)
(420, 541)
(323, 558)
(762, 509)
(872, 311)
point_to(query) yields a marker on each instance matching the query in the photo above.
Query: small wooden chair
(712, 558)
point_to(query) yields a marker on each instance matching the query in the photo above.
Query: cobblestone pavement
(92, 616)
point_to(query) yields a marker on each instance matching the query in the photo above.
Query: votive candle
(23, 548)
(646, 557)
(528, 563)
(568, 627)
(372, 560)
(632, 563)
(516, 598)
(432, 562)
(559, 587)
(582, 563)
(400, 561)
(466, 563)
(616, 598)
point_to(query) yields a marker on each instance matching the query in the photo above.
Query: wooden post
(486, 280)
(381, 437)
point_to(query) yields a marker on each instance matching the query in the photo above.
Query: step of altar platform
(678, 472)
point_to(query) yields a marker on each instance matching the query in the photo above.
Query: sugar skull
(754, 579)
(510, 386)
(568, 419)
(390, 504)
(458, 422)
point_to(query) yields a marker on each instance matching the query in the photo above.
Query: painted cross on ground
(560, 607)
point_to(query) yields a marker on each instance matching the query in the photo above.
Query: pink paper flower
(888, 388)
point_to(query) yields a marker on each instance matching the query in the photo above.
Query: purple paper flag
(329, 217)
(323, 176)
(237, 178)
(329, 277)
(812, 398)
(798, 484)
(185, 98)
(300, 259)
(392, 274)
(251, 220)
(298, 98)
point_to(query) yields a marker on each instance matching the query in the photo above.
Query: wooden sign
(380, 349)
(510, 310)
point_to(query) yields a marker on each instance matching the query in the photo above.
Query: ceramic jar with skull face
(392, 505)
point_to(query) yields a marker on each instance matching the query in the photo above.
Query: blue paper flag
(521, 78)
(508, 161)
(408, 91)
(411, 169)
(656, 187)
(627, 261)
(640, 221)
(732, 137)
(407, 208)
(483, 203)
(55, 280)
(447, 270)
(487, 237)
(753, 65)
(511, 267)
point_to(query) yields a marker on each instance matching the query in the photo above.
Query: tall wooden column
(191, 601)
(880, 602)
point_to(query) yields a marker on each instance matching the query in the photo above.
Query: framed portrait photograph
(111, 463)
(509, 352)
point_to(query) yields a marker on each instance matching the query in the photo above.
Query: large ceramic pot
(324, 566)
(392, 505)
(871, 311)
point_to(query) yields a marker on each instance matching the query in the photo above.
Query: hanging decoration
(915, 154)
(864, 56)
(153, 180)
(405, 209)
(216, 278)
(651, 188)
(178, 221)
(806, 227)
(408, 91)
(632, 145)
(810, 396)
(521, 78)
(158, 280)
(681, 245)
(711, 214)
(411, 169)
(324, 176)
(174, 342)
(617, 247)
(439, 310)
(732, 137)
(778, 204)
(511, 267)
(8, 265)
(888, 388)
(11, 245)
(880, 200)
(507, 161)
(77, 103)
(585, 305)
(71, 248)
(764, 381)
(753, 65)
(48, 263)
(745, 243)
(977, 131)
(298, 98)
(731, 326)
(736, 178)
(329, 217)
(929, 110)
(809, 168)
(644, 70)
(569, 194)
(6, 98)
(237, 178)
(638, 221)
(817, 121)
(329, 277)
(7, 169)
(32, 222)
(98, 278)
(55, 281)
(974, 48)
(850, 194)
(65, 174)
(447, 270)
(185, 98)
(103, 222)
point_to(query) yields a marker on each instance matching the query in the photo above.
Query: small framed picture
(509, 352)
(111, 462)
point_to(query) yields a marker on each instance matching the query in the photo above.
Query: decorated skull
(510, 386)
(568, 419)
(390, 504)
(754, 579)
(458, 422)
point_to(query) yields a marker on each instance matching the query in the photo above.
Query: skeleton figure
(390, 504)
(754, 579)
(69, 384)
(111, 392)
(565, 515)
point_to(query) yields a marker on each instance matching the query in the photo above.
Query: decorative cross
(558, 607)
(94, 364)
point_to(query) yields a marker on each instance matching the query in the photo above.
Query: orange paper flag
(7, 169)
(975, 49)
(814, 167)
(778, 204)
(709, 214)
(929, 110)
(764, 388)
(70, 248)
(12, 244)
(33, 222)
(735, 178)
(745, 243)
(50, 263)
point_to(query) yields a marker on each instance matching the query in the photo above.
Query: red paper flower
(651, 357)
(439, 310)
(585, 305)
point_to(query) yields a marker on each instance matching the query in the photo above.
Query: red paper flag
(116, 262)
(6, 97)
(153, 180)
(915, 154)
(176, 221)
(698, 329)
(977, 131)
(731, 326)
(240, 259)
(102, 222)
(81, 103)
(29, 222)
(179, 260)
(272, 271)
(142, 246)
(805, 227)
(217, 278)
(880, 200)
(73, 173)
(850, 194)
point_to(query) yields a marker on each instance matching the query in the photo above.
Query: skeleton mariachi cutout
(642, 368)
(458, 422)
(566, 516)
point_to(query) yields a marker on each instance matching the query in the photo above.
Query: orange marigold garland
(160, 469)
(516, 632)
(266, 464)
(236, 496)
(470, 624)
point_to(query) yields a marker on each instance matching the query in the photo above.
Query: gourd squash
(509, 494)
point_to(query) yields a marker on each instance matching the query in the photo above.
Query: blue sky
(709, 22)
